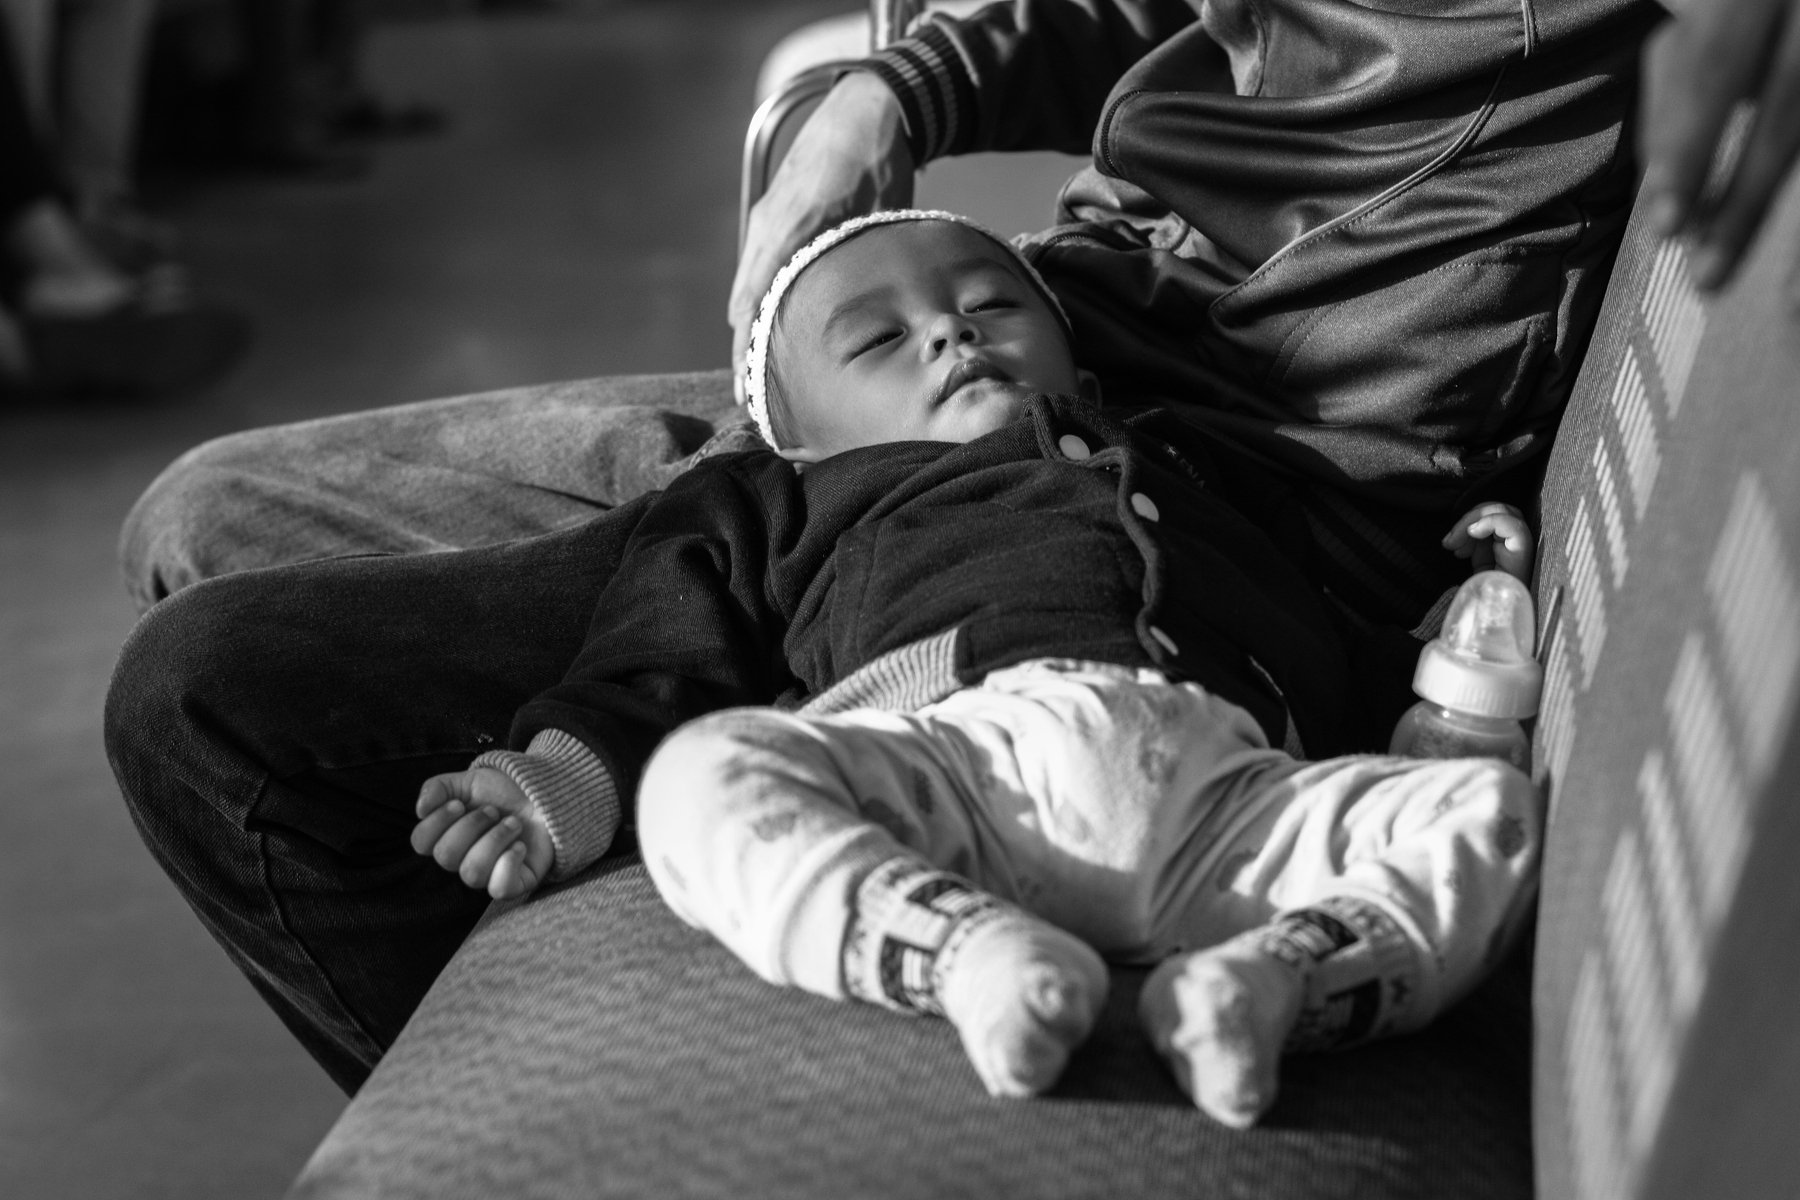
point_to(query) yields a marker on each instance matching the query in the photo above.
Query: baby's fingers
(1504, 528)
(454, 845)
(513, 877)
(1494, 528)
(1468, 536)
(434, 822)
(1514, 549)
(1514, 543)
(1481, 522)
(436, 792)
(479, 863)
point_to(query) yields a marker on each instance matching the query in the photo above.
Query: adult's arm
(1698, 68)
(1030, 75)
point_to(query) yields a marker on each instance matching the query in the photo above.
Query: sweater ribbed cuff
(573, 791)
(936, 91)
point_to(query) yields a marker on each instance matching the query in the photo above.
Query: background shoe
(132, 239)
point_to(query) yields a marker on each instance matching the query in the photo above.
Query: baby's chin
(987, 404)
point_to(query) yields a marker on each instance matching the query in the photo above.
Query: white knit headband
(756, 359)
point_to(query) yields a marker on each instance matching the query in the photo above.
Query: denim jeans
(270, 730)
(272, 718)
(437, 475)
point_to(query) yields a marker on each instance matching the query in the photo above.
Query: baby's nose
(960, 332)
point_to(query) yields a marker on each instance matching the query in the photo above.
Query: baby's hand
(479, 824)
(1494, 535)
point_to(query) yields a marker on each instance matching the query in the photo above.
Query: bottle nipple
(1490, 620)
(1482, 662)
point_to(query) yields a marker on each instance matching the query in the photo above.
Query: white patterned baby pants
(1143, 816)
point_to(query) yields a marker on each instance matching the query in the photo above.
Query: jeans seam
(281, 918)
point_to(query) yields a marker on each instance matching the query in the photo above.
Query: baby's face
(921, 331)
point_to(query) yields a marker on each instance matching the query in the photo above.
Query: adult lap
(437, 475)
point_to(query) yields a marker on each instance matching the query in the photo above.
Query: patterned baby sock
(1363, 978)
(1316, 978)
(1021, 993)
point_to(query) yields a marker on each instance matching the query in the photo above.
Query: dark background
(576, 216)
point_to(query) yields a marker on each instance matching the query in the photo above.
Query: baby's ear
(1088, 385)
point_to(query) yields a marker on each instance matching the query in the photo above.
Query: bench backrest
(1667, 1045)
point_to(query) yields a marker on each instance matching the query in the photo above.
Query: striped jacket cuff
(573, 791)
(936, 90)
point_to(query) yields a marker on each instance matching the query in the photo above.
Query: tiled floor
(576, 218)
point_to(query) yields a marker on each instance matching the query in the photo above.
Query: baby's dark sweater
(895, 574)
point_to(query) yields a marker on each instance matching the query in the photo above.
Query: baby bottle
(1477, 678)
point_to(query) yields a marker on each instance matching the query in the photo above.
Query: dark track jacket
(896, 574)
(1364, 242)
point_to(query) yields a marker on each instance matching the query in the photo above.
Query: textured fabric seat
(589, 1044)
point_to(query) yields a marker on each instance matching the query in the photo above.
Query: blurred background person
(80, 66)
(306, 90)
(271, 86)
(76, 318)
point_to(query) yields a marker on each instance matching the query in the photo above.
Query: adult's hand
(851, 157)
(1697, 67)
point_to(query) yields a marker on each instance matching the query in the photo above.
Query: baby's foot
(1022, 995)
(1220, 1017)
(1021, 992)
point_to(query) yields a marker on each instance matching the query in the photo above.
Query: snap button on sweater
(1145, 507)
(1073, 448)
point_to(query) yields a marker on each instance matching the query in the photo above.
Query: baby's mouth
(966, 371)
